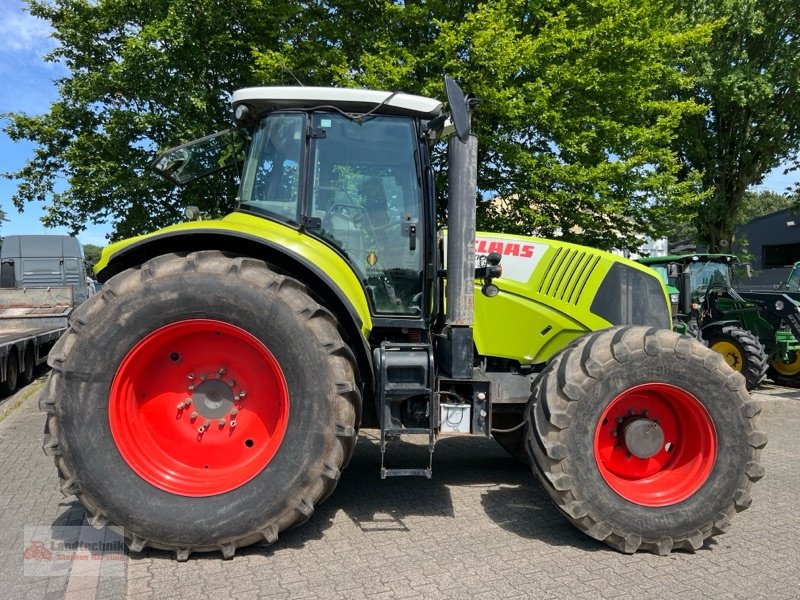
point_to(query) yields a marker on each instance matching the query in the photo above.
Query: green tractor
(791, 287)
(756, 332)
(210, 396)
(786, 369)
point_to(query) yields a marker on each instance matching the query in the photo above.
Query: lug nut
(193, 416)
(619, 419)
(221, 371)
(206, 423)
(188, 401)
(242, 394)
(221, 422)
(234, 412)
(180, 405)
(203, 377)
(191, 388)
(232, 383)
(614, 433)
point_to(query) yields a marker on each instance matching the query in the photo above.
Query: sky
(27, 85)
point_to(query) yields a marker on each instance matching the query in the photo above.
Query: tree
(144, 75)
(91, 254)
(758, 204)
(749, 77)
(575, 125)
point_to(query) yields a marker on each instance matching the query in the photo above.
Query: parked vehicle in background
(31, 321)
(43, 261)
(758, 332)
(791, 287)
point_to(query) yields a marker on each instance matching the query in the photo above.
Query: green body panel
(546, 291)
(290, 240)
(539, 312)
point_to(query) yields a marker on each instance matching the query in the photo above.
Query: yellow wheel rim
(730, 352)
(788, 368)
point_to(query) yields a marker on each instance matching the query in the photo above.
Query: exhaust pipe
(460, 291)
(463, 183)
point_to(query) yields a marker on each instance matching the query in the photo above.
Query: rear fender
(327, 276)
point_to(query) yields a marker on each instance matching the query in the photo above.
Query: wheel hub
(213, 398)
(643, 438)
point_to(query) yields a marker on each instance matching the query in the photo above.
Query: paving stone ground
(481, 527)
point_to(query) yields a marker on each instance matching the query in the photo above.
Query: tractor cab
(358, 182)
(694, 281)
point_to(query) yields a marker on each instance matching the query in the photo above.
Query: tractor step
(406, 472)
(405, 371)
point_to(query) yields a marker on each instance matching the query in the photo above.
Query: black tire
(9, 386)
(790, 376)
(321, 425)
(27, 373)
(742, 351)
(576, 392)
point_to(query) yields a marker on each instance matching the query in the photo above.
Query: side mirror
(673, 270)
(459, 108)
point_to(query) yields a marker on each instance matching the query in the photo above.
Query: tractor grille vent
(567, 274)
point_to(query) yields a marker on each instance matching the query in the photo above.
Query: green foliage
(575, 126)
(758, 204)
(91, 254)
(749, 77)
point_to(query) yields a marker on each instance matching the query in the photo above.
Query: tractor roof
(261, 99)
(677, 258)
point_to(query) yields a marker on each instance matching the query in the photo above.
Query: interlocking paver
(481, 527)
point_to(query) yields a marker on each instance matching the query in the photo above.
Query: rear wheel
(742, 351)
(786, 372)
(200, 404)
(27, 373)
(9, 386)
(644, 439)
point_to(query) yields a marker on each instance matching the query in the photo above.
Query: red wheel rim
(198, 407)
(684, 459)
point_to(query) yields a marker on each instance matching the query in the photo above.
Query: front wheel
(741, 350)
(202, 402)
(644, 439)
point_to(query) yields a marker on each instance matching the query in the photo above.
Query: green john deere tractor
(209, 397)
(791, 287)
(756, 332)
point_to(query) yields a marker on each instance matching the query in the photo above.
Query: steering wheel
(350, 212)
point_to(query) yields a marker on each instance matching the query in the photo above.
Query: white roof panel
(346, 99)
